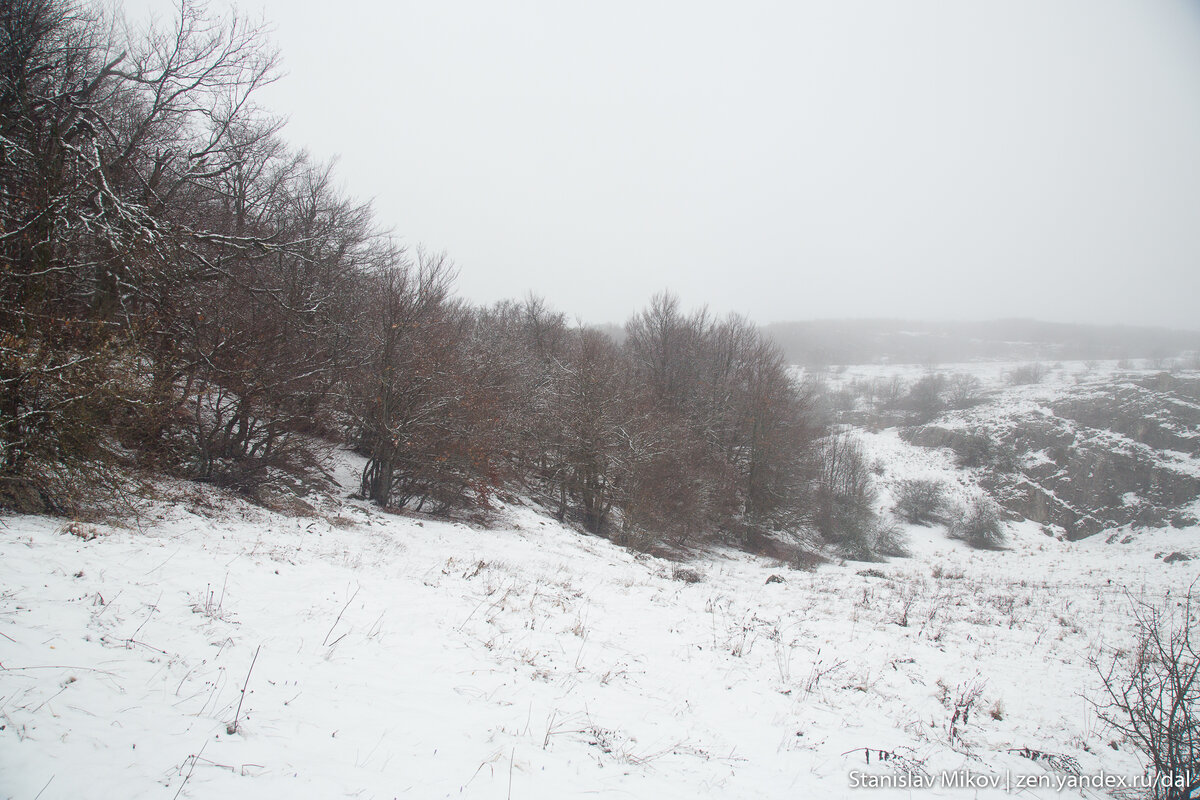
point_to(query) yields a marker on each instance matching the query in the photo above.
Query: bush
(926, 398)
(890, 540)
(965, 391)
(853, 529)
(1027, 374)
(980, 448)
(1153, 693)
(979, 525)
(686, 575)
(920, 502)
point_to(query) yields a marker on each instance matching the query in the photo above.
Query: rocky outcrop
(1096, 457)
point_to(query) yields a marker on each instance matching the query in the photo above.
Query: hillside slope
(1085, 456)
(409, 657)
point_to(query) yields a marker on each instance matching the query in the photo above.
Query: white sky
(953, 159)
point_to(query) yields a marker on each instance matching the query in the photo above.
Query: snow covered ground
(998, 374)
(403, 657)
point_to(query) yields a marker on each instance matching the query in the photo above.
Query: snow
(399, 656)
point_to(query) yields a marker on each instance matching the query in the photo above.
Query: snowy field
(405, 657)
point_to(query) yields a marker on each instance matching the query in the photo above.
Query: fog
(787, 160)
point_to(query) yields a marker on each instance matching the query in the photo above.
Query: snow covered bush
(979, 525)
(920, 501)
(1027, 374)
(965, 391)
(926, 399)
(890, 539)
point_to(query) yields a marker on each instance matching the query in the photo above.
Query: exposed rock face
(1088, 458)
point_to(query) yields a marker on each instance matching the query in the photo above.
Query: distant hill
(897, 341)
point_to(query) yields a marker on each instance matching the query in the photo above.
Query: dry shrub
(979, 525)
(920, 501)
(1153, 693)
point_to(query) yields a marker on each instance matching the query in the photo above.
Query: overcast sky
(789, 160)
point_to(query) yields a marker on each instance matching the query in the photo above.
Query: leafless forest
(183, 291)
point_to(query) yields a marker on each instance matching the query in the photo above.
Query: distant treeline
(181, 292)
(820, 342)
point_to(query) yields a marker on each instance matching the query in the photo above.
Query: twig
(217, 684)
(468, 619)
(108, 605)
(511, 756)
(153, 608)
(179, 688)
(579, 655)
(221, 649)
(39, 794)
(339, 616)
(130, 642)
(164, 563)
(195, 758)
(55, 666)
(48, 699)
(232, 728)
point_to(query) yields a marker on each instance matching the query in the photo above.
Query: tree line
(182, 291)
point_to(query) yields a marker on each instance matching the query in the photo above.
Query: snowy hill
(1082, 448)
(398, 656)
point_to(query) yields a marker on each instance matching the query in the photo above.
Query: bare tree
(845, 494)
(594, 442)
(105, 138)
(265, 343)
(1153, 693)
(426, 400)
(739, 427)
